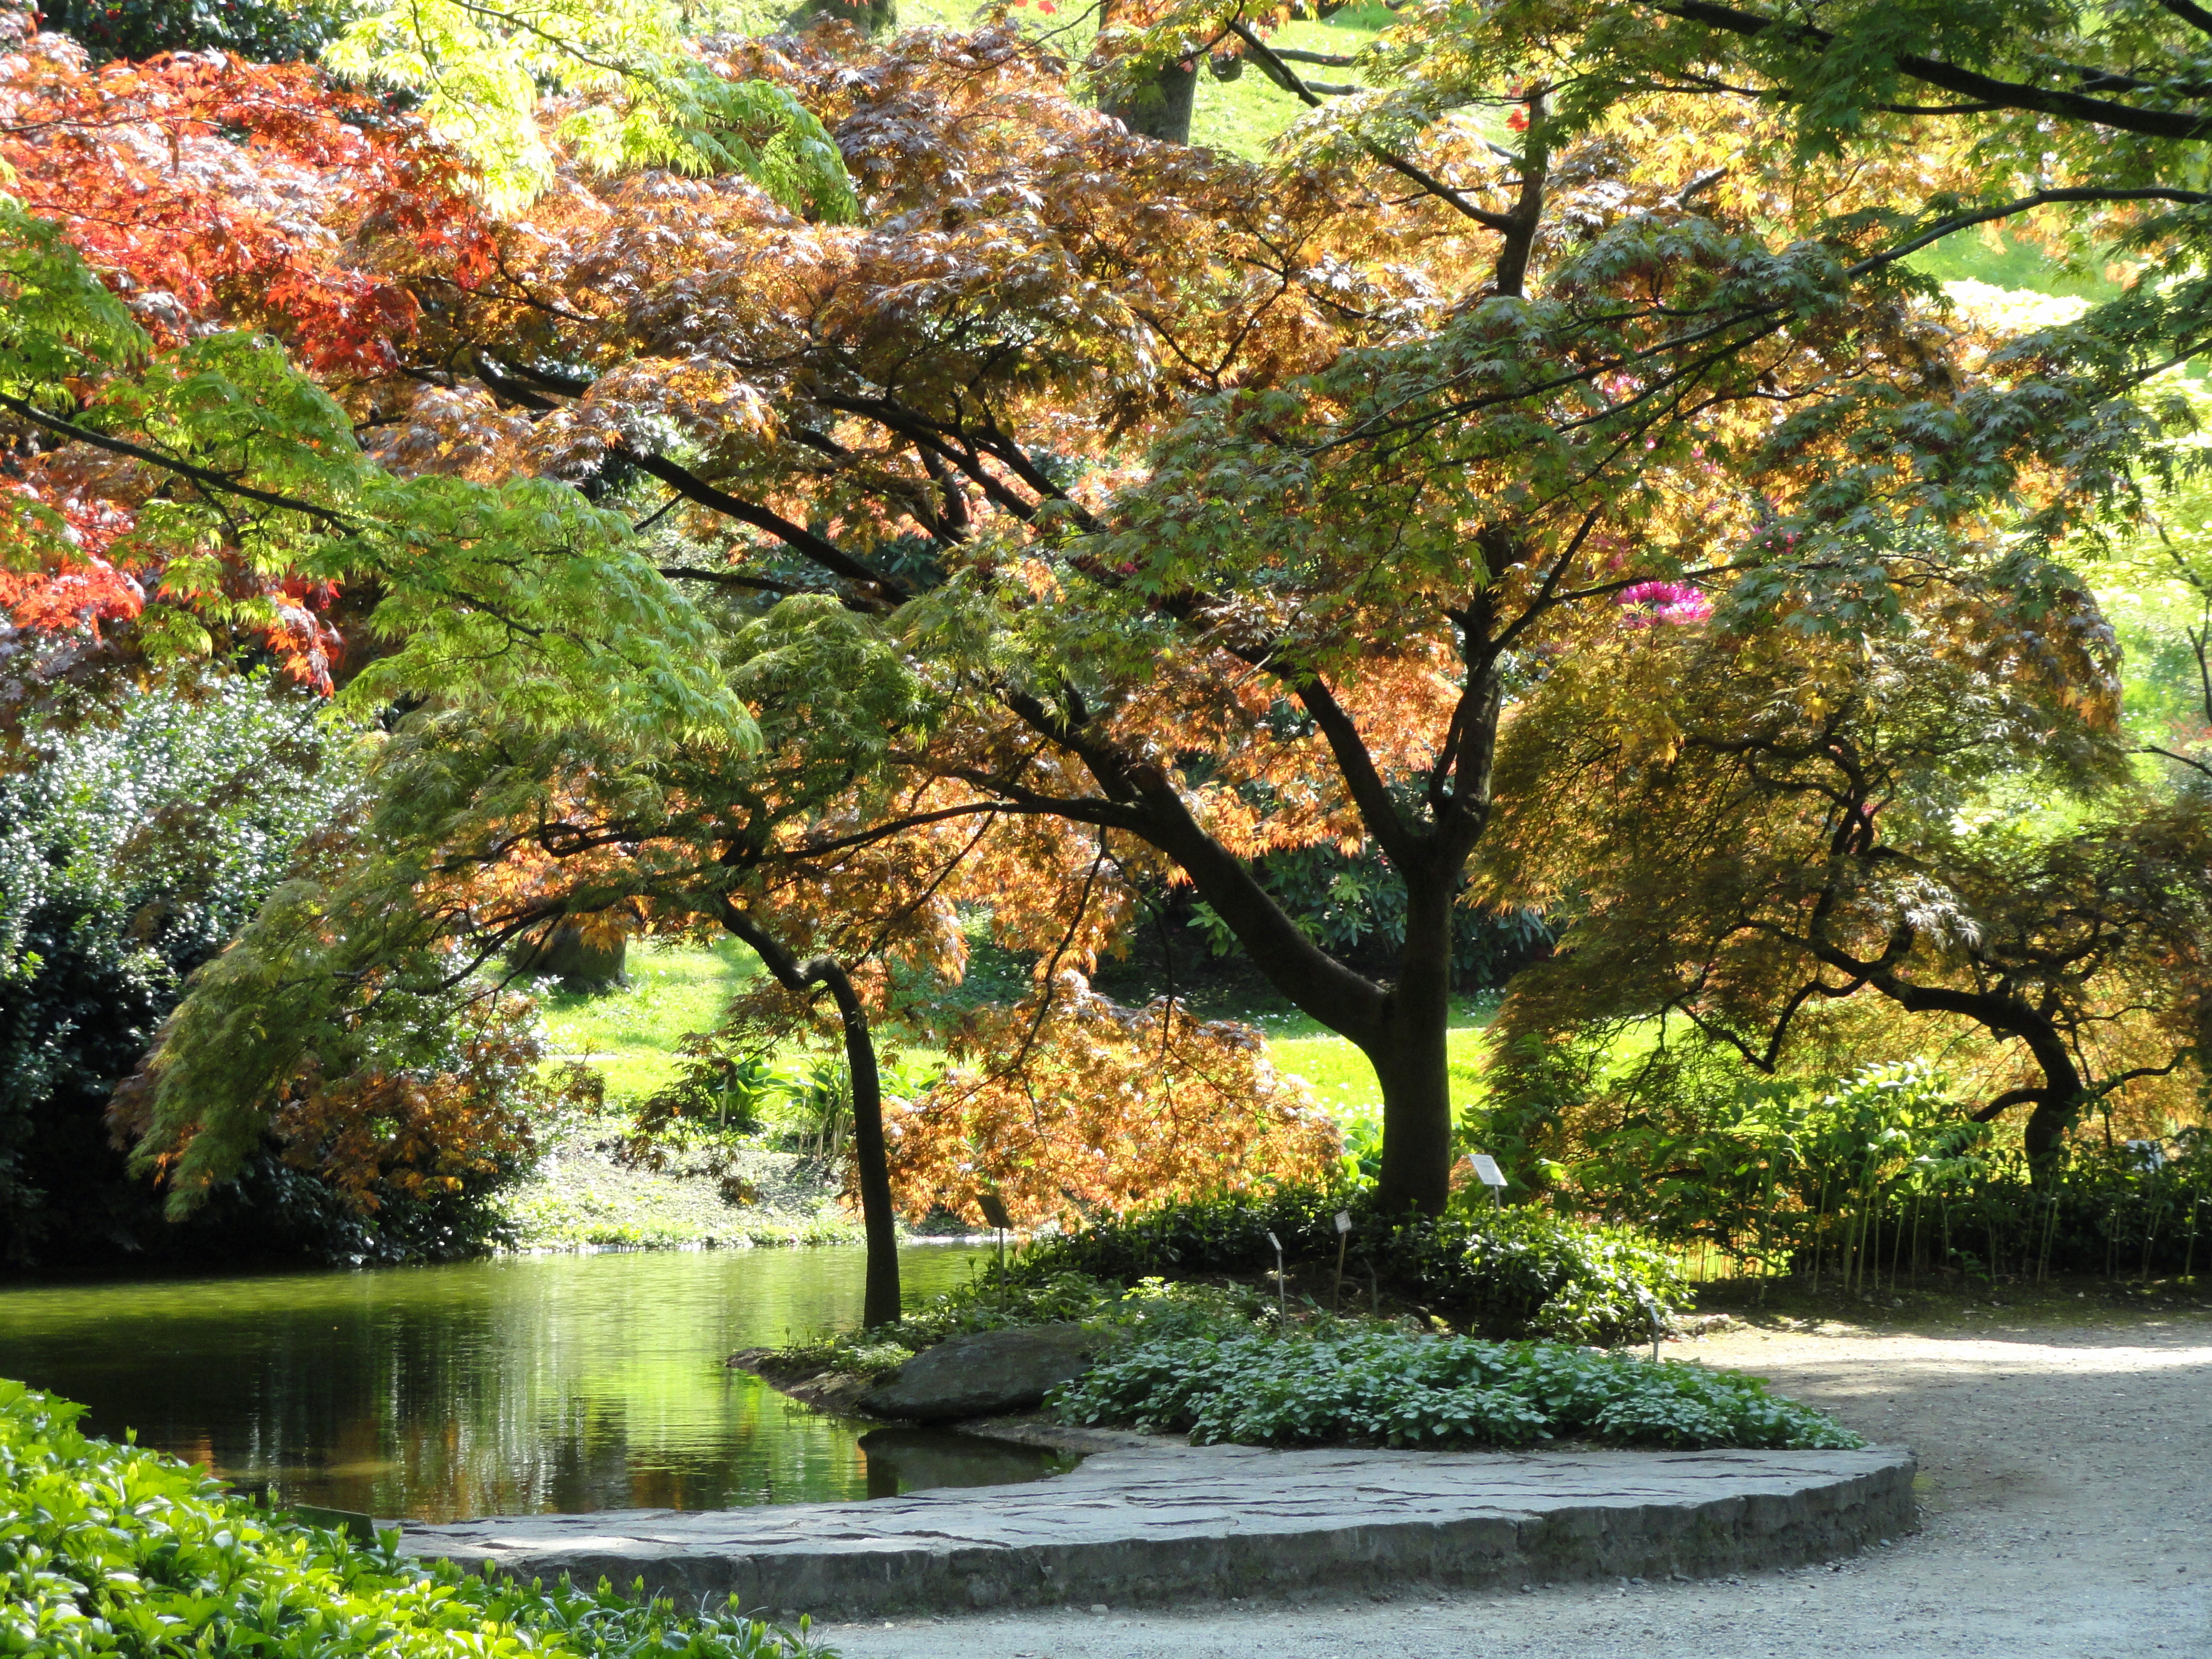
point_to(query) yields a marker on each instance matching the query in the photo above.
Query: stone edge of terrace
(1770, 1509)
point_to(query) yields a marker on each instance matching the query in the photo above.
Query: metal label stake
(1282, 1297)
(1487, 1172)
(1343, 1237)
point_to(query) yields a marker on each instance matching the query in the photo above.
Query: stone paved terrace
(1147, 1524)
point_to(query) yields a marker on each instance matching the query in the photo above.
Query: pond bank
(582, 1197)
(1151, 1521)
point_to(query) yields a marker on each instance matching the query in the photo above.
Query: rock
(358, 1527)
(1703, 1324)
(982, 1374)
(1140, 1529)
(829, 1391)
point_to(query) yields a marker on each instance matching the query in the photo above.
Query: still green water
(555, 1383)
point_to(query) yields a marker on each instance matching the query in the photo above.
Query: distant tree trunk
(583, 956)
(870, 17)
(880, 1305)
(1160, 109)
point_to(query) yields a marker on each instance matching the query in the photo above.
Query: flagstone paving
(1149, 1521)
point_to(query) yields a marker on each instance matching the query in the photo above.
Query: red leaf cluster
(210, 192)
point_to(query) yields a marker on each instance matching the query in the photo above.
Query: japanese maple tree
(1231, 503)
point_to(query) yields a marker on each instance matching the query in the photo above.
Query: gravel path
(2067, 1494)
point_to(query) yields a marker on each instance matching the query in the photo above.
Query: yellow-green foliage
(637, 95)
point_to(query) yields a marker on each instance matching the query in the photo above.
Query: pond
(521, 1384)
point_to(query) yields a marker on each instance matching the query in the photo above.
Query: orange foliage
(207, 191)
(417, 1131)
(1085, 1107)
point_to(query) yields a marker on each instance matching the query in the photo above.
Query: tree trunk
(584, 959)
(880, 1305)
(1410, 1060)
(2043, 1137)
(880, 1302)
(1160, 109)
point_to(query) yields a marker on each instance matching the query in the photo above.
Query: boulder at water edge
(982, 1374)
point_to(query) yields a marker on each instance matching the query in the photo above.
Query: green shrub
(1519, 1272)
(1527, 1271)
(130, 849)
(260, 31)
(109, 1549)
(1372, 1386)
(135, 839)
(1883, 1172)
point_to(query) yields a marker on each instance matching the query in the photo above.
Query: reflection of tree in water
(441, 1392)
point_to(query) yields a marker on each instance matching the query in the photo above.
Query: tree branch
(206, 479)
(818, 549)
(1287, 77)
(1984, 89)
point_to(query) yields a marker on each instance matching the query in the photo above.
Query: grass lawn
(633, 1036)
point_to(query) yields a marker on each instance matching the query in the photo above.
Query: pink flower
(1663, 602)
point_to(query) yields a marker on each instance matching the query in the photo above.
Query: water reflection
(535, 1383)
(902, 1459)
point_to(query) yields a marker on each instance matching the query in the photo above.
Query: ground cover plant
(112, 1549)
(1204, 1271)
(1394, 1387)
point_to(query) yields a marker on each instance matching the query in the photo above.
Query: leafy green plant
(112, 1549)
(1388, 1387)
(1527, 1270)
